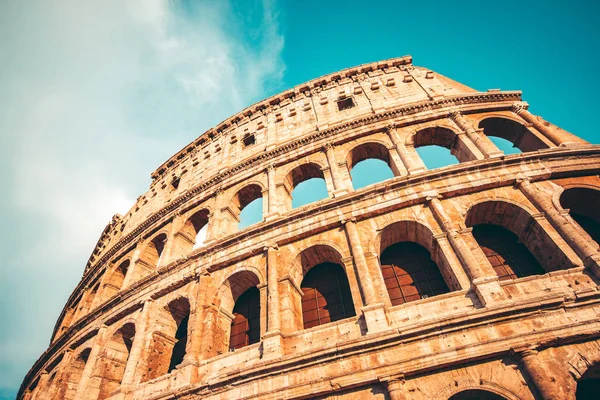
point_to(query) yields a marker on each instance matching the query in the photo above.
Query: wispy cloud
(93, 97)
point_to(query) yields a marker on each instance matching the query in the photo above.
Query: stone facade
(157, 311)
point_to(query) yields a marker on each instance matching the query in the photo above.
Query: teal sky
(94, 96)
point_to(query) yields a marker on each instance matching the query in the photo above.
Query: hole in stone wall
(345, 104)
(249, 140)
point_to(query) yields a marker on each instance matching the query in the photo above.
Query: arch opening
(516, 133)
(326, 295)
(151, 256)
(73, 375)
(578, 201)
(192, 234)
(245, 325)
(169, 341)
(247, 205)
(369, 163)
(526, 231)
(223, 314)
(588, 386)
(305, 184)
(114, 359)
(438, 147)
(410, 274)
(115, 280)
(509, 258)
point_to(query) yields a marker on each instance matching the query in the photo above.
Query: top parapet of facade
(386, 68)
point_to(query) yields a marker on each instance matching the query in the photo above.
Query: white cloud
(93, 97)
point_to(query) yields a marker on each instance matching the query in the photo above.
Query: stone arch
(513, 131)
(114, 357)
(88, 298)
(73, 374)
(242, 198)
(300, 174)
(170, 340)
(368, 150)
(520, 231)
(192, 234)
(577, 201)
(442, 137)
(312, 288)
(150, 255)
(221, 314)
(469, 385)
(401, 240)
(115, 278)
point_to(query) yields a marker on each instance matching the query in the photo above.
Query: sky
(94, 95)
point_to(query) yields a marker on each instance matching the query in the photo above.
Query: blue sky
(95, 95)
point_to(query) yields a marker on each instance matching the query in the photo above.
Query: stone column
(465, 150)
(373, 310)
(61, 379)
(455, 237)
(41, 386)
(542, 376)
(272, 340)
(396, 163)
(584, 249)
(170, 252)
(482, 276)
(86, 388)
(273, 206)
(340, 186)
(411, 160)
(395, 388)
(214, 232)
(135, 360)
(558, 136)
(483, 143)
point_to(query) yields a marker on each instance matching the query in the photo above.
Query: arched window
(114, 359)
(73, 375)
(410, 274)
(578, 201)
(326, 295)
(369, 163)
(248, 206)
(588, 386)
(245, 326)
(169, 340)
(306, 184)
(476, 394)
(514, 132)
(438, 147)
(509, 258)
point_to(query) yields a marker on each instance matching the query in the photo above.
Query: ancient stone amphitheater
(477, 280)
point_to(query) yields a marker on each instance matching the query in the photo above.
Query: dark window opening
(180, 344)
(175, 182)
(410, 274)
(345, 104)
(326, 295)
(476, 394)
(509, 258)
(249, 140)
(589, 225)
(245, 326)
(589, 384)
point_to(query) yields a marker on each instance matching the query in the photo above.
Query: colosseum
(477, 280)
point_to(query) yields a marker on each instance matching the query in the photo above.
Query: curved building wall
(466, 280)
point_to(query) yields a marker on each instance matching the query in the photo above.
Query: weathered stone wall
(525, 338)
